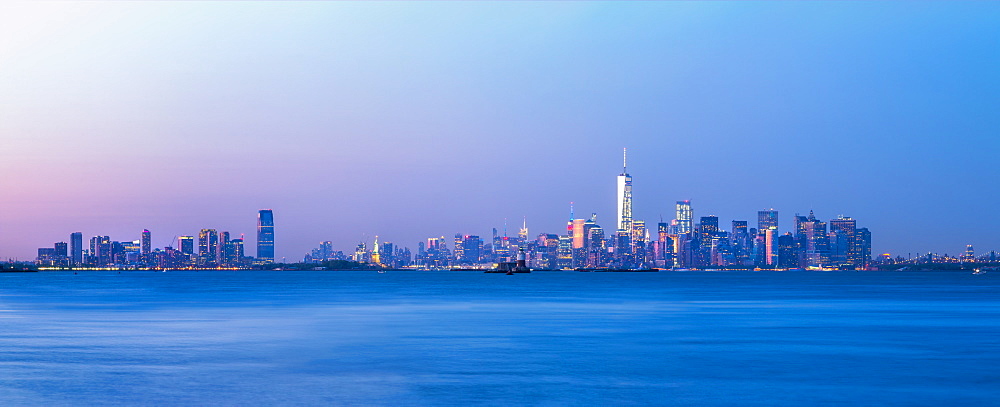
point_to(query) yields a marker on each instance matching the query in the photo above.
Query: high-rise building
(76, 248)
(147, 242)
(740, 242)
(771, 246)
(787, 258)
(662, 251)
(767, 219)
(223, 252)
(685, 217)
(387, 254)
(459, 256)
(237, 250)
(817, 243)
(100, 251)
(186, 245)
(471, 249)
(865, 243)
(61, 253)
(579, 233)
(208, 247)
(848, 249)
(265, 236)
(707, 231)
(624, 198)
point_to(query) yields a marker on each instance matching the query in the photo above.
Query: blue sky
(411, 120)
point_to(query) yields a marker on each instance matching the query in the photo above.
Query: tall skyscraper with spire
(624, 197)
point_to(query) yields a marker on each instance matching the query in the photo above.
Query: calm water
(461, 338)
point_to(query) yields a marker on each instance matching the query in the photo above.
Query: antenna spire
(624, 159)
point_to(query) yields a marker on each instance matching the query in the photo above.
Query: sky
(410, 120)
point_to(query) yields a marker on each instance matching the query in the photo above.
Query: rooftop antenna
(571, 211)
(624, 160)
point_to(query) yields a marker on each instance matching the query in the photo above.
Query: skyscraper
(186, 245)
(685, 217)
(76, 248)
(265, 236)
(624, 198)
(865, 245)
(147, 245)
(707, 231)
(208, 246)
(849, 250)
(767, 219)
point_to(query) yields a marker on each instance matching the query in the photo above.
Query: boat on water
(979, 272)
(7, 268)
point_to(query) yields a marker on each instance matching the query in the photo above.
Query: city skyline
(209, 240)
(679, 243)
(405, 121)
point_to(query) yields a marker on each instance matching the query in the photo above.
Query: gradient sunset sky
(411, 120)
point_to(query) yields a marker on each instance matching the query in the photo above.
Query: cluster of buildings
(684, 242)
(212, 249)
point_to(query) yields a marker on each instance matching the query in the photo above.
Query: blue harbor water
(467, 338)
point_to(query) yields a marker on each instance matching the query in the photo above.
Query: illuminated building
(660, 253)
(469, 249)
(361, 254)
(596, 247)
(238, 251)
(147, 245)
(707, 230)
(224, 250)
(459, 256)
(771, 246)
(623, 238)
(624, 198)
(639, 240)
(685, 217)
(767, 219)
(76, 248)
(817, 249)
(265, 236)
(848, 248)
(387, 254)
(186, 245)
(579, 233)
(100, 251)
(865, 243)
(208, 246)
(969, 256)
(62, 252)
(740, 242)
